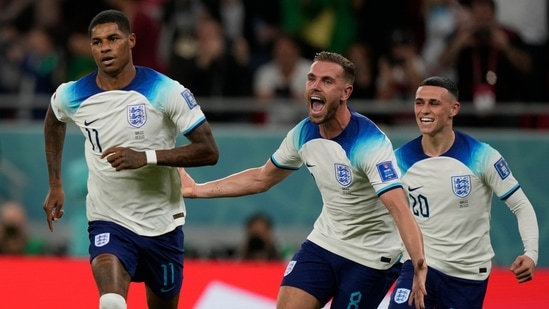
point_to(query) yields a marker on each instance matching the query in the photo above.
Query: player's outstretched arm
(188, 184)
(247, 182)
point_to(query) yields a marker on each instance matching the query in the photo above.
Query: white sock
(112, 301)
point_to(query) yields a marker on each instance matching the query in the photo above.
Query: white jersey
(148, 114)
(351, 172)
(451, 196)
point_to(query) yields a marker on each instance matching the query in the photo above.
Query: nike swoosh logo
(164, 290)
(88, 123)
(414, 189)
(309, 164)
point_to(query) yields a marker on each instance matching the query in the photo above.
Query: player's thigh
(156, 302)
(113, 256)
(290, 297)
(110, 275)
(460, 293)
(362, 287)
(311, 270)
(161, 263)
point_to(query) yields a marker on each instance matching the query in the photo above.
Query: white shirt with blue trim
(351, 172)
(451, 197)
(148, 114)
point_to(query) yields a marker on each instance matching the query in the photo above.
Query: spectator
(11, 53)
(42, 61)
(262, 25)
(282, 78)
(230, 14)
(74, 36)
(256, 21)
(401, 69)
(490, 61)
(259, 242)
(14, 232)
(79, 60)
(42, 66)
(361, 55)
(213, 67)
(364, 88)
(530, 18)
(441, 20)
(374, 27)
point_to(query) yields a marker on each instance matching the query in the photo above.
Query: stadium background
(63, 279)
(217, 224)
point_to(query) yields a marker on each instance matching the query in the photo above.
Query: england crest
(461, 185)
(343, 174)
(401, 295)
(136, 115)
(289, 268)
(102, 239)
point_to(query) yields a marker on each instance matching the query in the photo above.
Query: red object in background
(68, 283)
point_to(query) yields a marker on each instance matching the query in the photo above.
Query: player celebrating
(450, 178)
(352, 255)
(130, 117)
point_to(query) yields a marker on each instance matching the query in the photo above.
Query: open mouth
(317, 104)
(426, 120)
(107, 60)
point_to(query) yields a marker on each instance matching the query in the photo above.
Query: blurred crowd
(495, 49)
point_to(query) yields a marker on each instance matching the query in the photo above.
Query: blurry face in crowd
(13, 225)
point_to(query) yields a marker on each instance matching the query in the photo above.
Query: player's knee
(112, 301)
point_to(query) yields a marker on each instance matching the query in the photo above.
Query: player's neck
(336, 125)
(435, 145)
(117, 80)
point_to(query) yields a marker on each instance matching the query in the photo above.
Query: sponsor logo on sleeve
(386, 171)
(502, 168)
(189, 98)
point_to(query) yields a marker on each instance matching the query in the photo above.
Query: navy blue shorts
(157, 261)
(443, 291)
(326, 276)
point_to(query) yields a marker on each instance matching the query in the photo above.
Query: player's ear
(455, 109)
(131, 39)
(347, 92)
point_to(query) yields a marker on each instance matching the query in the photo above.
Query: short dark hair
(347, 65)
(111, 16)
(443, 82)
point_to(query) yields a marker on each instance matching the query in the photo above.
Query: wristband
(151, 157)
